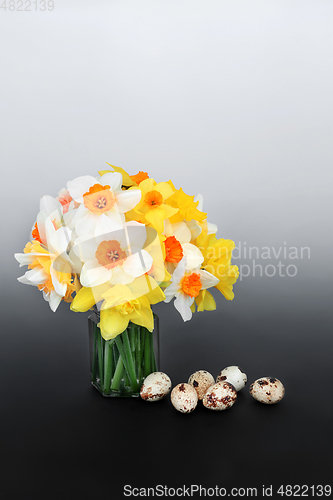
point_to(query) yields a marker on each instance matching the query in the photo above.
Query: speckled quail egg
(267, 390)
(201, 381)
(234, 375)
(220, 396)
(155, 387)
(184, 398)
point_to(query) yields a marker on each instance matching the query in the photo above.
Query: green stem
(152, 353)
(132, 339)
(94, 360)
(138, 352)
(118, 375)
(130, 362)
(108, 362)
(100, 360)
(122, 354)
(147, 370)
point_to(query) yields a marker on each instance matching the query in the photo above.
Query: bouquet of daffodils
(122, 243)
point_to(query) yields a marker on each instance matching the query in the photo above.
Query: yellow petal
(116, 295)
(102, 172)
(134, 215)
(205, 301)
(226, 291)
(145, 315)
(146, 286)
(127, 181)
(169, 211)
(147, 185)
(165, 189)
(112, 323)
(156, 218)
(86, 298)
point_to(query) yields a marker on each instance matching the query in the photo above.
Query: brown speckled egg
(184, 398)
(234, 375)
(267, 390)
(201, 381)
(155, 386)
(220, 396)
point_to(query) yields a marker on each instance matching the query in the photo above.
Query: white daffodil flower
(100, 196)
(186, 285)
(177, 245)
(113, 255)
(52, 267)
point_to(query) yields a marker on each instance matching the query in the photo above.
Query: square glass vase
(119, 366)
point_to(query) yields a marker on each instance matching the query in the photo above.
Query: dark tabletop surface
(60, 438)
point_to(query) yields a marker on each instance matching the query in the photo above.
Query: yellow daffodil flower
(217, 255)
(121, 304)
(152, 208)
(125, 303)
(187, 207)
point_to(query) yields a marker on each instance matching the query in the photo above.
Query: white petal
(27, 258)
(54, 300)
(36, 276)
(93, 274)
(194, 257)
(167, 228)
(116, 217)
(85, 248)
(49, 230)
(69, 216)
(211, 228)
(59, 240)
(199, 198)
(79, 213)
(183, 305)
(179, 271)
(87, 224)
(25, 281)
(181, 232)
(75, 261)
(134, 236)
(171, 291)
(207, 279)
(50, 206)
(119, 277)
(60, 288)
(138, 263)
(126, 200)
(79, 186)
(194, 228)
(41, 217)
(112, 179)
(107, 228)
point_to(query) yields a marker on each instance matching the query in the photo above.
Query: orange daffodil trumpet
(122, 243)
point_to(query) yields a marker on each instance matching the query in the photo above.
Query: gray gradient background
(229, 99)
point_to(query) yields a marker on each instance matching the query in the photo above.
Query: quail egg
(267, 390)
(234, 375)
(201, 381)
(184, 398)
(155, 387)
(220, 396)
